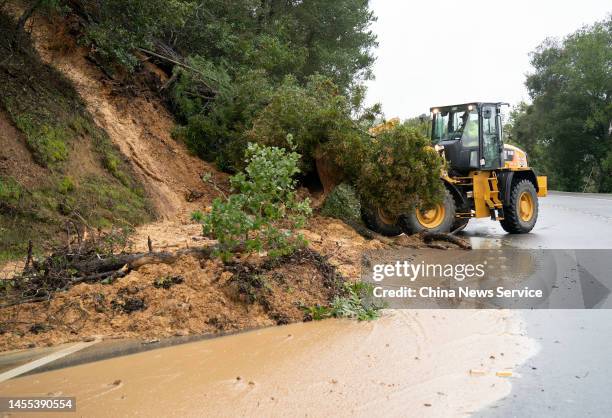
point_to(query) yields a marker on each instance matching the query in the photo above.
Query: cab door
(491, 151)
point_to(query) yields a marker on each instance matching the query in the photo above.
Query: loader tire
(378, 221)
(521, 214)
(438, 219)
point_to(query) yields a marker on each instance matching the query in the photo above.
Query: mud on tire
(375, 219)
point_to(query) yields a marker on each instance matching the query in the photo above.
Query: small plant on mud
(353, 304)
(342, 203)
(264, 211)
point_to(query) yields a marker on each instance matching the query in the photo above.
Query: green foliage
(197, 216)
(422, 124)
(219, 134)
(342, 203)
(565, 131)
(264, 211)
(118, 27)
(397, 170)
(400, 170)
(314, 115)
(48, 143)
(353, 304)
(66, 185)
(10, 191)
(238, 53)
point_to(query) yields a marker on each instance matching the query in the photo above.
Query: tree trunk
(329, 173)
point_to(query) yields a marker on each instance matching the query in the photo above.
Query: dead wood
(428, 237)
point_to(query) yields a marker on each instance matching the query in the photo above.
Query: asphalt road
(565, 221)
(572, 373)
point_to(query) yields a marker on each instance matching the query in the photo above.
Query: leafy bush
(342, 203)
(218, 134)
(400, 170)
(65, 185)
(314, 115)
(353, 304)
(116, 28)
(264, 211)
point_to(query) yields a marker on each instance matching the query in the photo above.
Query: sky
(434, 53)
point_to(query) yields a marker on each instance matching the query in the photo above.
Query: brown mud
(417, 363)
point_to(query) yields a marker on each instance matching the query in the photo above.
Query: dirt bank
(137, 123)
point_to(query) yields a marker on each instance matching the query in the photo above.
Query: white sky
(434, 53)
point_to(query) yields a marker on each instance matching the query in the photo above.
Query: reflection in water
(498, 278)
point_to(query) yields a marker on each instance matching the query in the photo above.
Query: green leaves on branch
(264, 211)
(314, 115)
(354, 303)
(566, 130)
(400, 170)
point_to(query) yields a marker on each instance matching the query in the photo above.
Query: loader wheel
(521, 214)
(440, 218)
(379, 221)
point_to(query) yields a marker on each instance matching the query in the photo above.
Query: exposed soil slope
(56, 164)
(138, 124)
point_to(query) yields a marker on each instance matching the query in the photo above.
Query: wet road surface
(572, 373)
(407, 363)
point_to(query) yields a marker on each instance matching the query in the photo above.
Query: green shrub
(66, 185)
(342, 203)
(399, 171)
(314, 115)
(264, 211)
(10, 191)
(117, 27)
(218, 134)
(353, 304)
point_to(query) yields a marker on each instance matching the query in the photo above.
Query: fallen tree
(91, 261)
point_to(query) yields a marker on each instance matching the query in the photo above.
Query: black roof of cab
(478, 104)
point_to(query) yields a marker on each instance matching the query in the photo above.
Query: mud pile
(191, 296)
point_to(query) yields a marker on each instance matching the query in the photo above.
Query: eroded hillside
(58, 167)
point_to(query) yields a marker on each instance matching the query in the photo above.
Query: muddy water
(408, 363)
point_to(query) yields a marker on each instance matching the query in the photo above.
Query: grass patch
(10, 191)
(48, 143)
(41, 214)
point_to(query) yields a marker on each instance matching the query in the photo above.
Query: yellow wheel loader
(484, 177)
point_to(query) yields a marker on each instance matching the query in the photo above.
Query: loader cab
(470, 135)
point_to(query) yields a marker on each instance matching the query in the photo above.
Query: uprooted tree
(397, 169)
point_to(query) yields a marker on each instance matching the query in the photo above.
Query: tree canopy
(566, 130)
